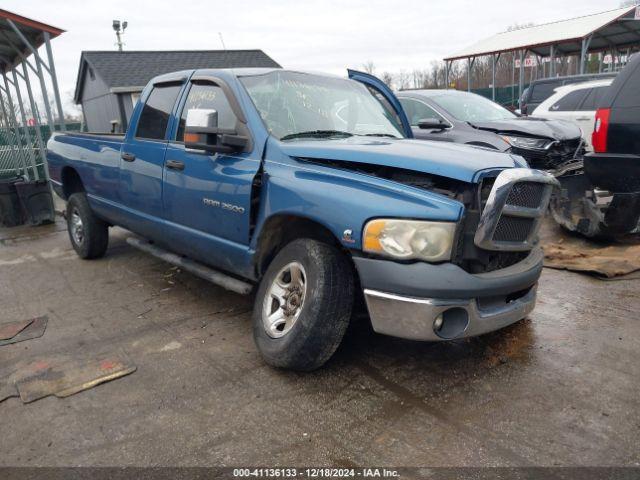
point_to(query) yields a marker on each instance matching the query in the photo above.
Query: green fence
(17, 156)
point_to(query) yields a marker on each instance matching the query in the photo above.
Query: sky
(320, 35)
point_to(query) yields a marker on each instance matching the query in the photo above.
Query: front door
(207, 197)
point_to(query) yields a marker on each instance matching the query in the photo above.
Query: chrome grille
(513, 229)
(526, 194)
(516, 204)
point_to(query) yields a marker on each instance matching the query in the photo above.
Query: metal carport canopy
(32, 30)
(20, 40)
(612, 29)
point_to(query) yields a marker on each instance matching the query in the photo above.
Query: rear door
(386, 97)
(142, 159)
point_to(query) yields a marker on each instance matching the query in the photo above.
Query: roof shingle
(136, 68)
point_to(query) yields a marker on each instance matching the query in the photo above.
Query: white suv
(576, 102)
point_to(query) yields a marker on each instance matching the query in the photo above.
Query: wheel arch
(281, 229)
(71, 182)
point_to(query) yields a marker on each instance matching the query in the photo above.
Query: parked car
(310, 188)
(614, 166)
(464, 117)
(539, 90)
(575, 103)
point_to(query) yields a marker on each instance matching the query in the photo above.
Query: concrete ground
(559, 388)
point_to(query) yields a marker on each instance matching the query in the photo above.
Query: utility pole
(119, 28)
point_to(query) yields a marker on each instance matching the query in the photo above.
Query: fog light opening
(451, 323)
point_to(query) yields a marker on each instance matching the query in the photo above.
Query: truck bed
(94, 156)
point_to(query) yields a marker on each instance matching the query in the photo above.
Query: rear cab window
(154, 118)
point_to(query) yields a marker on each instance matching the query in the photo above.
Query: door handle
(584, 119)
(128, 157)
(175, 165)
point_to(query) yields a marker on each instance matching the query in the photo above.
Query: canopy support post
(54, 81)
(25, 128)
(36, 118)
(552, 61)
(521, 77)
(470, 62)
(11, 137)
(493, 77)
(583, 53)
(447, 68)
(11, 116)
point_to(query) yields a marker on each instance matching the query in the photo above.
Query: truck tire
(303, 305)
(88, 234)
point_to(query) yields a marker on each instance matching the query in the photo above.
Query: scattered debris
(566, 251)
(20, 331)
(9, 330)
(62, 375)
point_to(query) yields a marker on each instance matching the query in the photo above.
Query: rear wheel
(303, 305)
(89, 235)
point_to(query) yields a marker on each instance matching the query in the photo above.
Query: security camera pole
(119, 28)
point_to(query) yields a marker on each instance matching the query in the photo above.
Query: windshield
(472, 108)
(300, 105)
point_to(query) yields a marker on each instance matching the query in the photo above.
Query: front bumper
(465, 304)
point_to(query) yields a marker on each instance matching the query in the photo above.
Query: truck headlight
(410, 239)
(527, 142)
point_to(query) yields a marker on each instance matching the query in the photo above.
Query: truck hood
(460, 162)
(532, 126)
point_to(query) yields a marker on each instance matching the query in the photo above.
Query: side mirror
(432, 124)
(202, 133)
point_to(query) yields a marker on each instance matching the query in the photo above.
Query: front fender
(342, 200)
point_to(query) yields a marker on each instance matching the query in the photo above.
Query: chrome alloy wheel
(77, 228)
(284, 300)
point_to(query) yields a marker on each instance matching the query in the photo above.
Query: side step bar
(191, 266)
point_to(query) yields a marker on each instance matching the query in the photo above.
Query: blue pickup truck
(310, 188)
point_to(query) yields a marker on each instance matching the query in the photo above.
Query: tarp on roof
(133, 69)
(614, 27)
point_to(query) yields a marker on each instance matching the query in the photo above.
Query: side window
(629, 94)
(209, 96)
(156, 112)
(417, 111)
(593, 98)
(570, 102)
(541, 91)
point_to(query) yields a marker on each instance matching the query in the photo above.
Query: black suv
(539, 90)
(615, 164)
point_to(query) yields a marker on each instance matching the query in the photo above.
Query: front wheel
(303, 305)
(89, 235)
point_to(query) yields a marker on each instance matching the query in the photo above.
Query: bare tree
(369, 67)
(387, 78)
